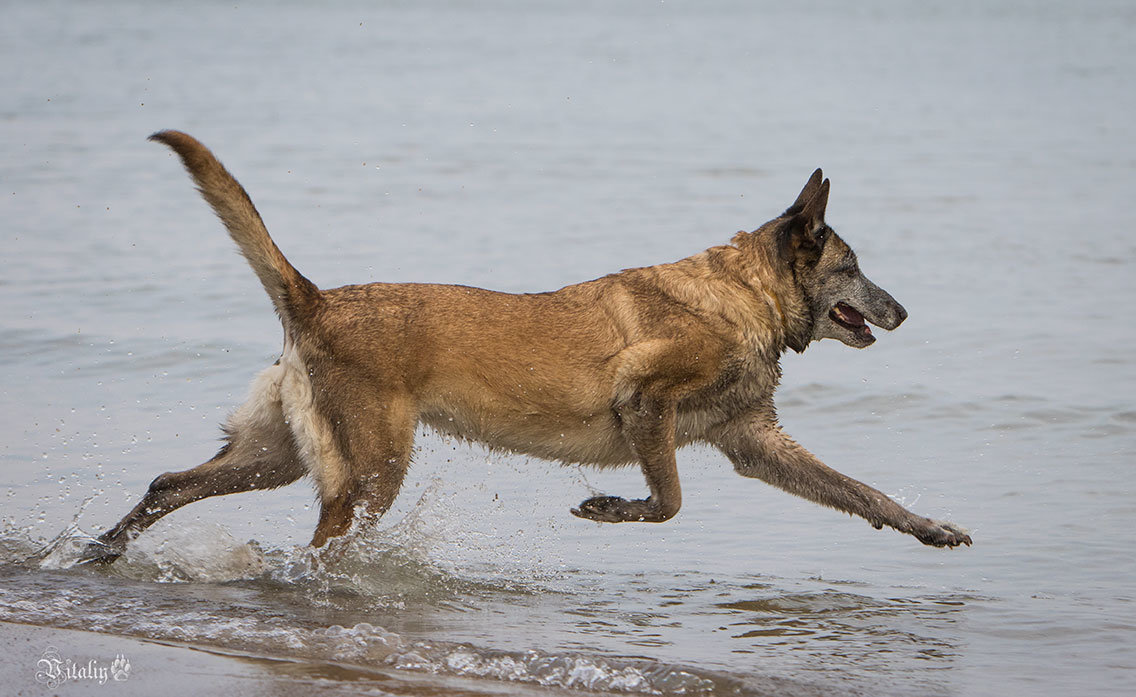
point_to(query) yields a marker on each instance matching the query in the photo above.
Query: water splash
(63, 550)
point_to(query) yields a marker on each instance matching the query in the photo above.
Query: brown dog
(616, 371)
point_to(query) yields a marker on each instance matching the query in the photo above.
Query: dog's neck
(761, 268)
(730, 281)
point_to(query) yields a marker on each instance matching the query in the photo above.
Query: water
(982, 160)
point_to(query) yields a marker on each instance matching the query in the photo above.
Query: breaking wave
(276, 602)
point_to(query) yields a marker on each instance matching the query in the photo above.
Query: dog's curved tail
(292, 295)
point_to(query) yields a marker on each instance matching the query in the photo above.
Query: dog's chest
(744, 382)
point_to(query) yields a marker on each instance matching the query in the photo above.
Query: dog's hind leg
(374, 436)
(259, 453)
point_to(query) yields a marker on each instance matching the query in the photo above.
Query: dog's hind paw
(940, 533)
(97, 552)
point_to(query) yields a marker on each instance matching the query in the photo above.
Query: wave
(391, 599)
(252, 599)
(222, 612)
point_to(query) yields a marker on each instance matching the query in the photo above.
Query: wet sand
(166, 669)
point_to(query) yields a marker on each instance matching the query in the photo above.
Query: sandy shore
(47, 661)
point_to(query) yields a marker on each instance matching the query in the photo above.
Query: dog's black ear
(805, 234)
(814, 209)
(806, 195)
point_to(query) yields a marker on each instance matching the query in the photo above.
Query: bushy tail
(292, 295)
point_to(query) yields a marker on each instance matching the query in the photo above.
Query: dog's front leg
(759, 448)
(648, 425)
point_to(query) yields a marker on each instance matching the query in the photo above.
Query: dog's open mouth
(850, 318)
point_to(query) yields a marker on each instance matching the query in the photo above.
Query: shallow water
(982, 158)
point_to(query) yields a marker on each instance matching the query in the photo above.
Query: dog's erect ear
(805, 234)
(813, 211)
(806, 195)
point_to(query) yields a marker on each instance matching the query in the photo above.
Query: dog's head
(840, 298)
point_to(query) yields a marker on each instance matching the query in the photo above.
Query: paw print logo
(120, 668)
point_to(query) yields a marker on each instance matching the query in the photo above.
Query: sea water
(982, 158)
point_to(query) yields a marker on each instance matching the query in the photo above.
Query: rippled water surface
(982, 158)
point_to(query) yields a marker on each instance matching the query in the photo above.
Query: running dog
(621, 370)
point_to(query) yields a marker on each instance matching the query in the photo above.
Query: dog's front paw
(940, 533)
(604, 509)
(612, 509)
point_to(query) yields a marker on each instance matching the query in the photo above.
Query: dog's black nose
(900, 314)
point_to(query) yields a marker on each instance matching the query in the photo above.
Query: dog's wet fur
(621, 370)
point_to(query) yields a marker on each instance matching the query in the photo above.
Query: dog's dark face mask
(842, 301)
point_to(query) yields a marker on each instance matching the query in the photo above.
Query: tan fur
(620, 370)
